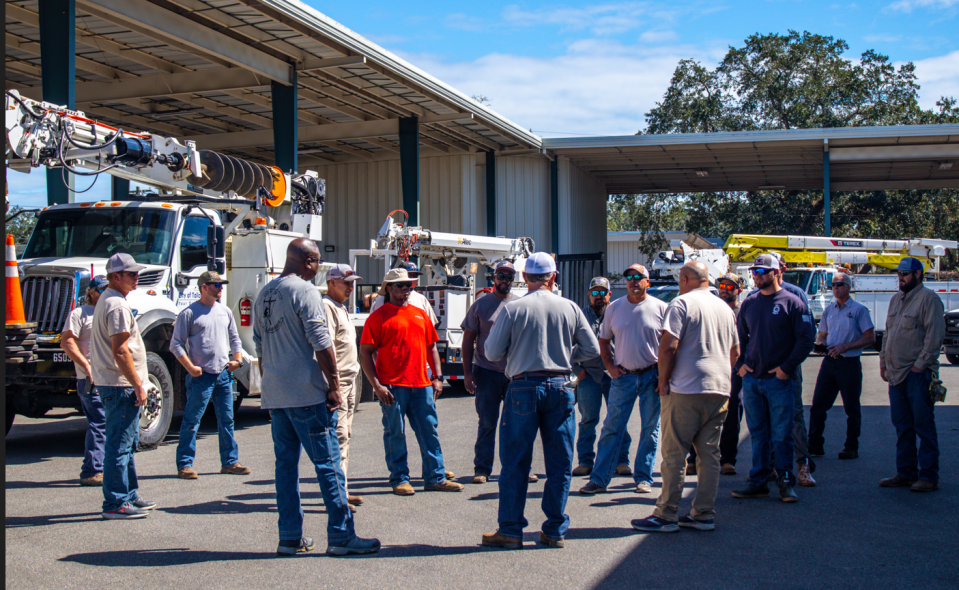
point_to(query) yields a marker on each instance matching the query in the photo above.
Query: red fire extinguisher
(246, 311)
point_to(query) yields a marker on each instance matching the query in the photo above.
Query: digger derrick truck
(210, 211)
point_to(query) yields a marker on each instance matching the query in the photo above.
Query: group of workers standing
(695, 367)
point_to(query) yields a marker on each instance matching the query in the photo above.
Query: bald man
(699, 347)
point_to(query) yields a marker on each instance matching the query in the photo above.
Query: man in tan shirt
(915, 326)
(340, 281)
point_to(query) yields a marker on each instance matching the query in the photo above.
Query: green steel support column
(57, 46)
(284, 125)
(554, 204)
(827, 230)
(119, 188)
(490, 194)
(410, 167)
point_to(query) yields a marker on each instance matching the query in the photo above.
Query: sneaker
(93, 480)
(923, 486)
(805, 476)
(235, 469)
(445, 486)
(849, 454)
(816, 450)
(644, 487)
(503, 542)
(187, 473)
(654, 524)
(591, 488)
(126, 512)
(728, 469)
(533, 478)
(582, 470)
(551, 543)
(787, 493)
(293, 547)
(480, 478)
(354, 500)
(688, 522)
(355, 546)
(144, 504)
(404, 489)
(623, 469)
(896, 481)
(690, 469)
(752, 491)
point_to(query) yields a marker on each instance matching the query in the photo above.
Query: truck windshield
(800, 278)
(144, 233)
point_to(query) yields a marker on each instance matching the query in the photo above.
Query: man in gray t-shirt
(204, 336)
(301, 390)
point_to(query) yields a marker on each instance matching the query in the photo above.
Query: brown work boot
(690, 469)
(449, 475)
(728, 469)
(552, 543)
(404, 489)
(923, 486)
(445, 486)
(896, 481)
(533, 478)
(480, 478)
(623, 469)
(501, 541)
(235, 469)
(582, 470)
(354, 500)
(93, 480)
(187, 473)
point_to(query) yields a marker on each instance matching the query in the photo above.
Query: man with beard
(909, 362)
(592, 387)
(484, 378)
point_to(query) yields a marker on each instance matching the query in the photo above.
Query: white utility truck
(210, 211)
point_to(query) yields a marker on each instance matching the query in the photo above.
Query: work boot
(752, 491)
(499, 540)
(849, 454)
(235, 469)
(551, 543)
(786, 491)
(623, 469)
(449, 475)
(816, 450)
(293, 547)
(582, 470)
(690, 469)
(355, 546)
(187, 473)
(480, 478)
(533, 478)
(354, 500)
(404, 489)
(445, 486)
(923, 486)
(93, 480)
(896, 481)
(728, 469)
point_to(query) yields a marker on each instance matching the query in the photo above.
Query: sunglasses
(837, 285)
(503, 276)
(599, 292)
(903, 273)
(634, 277)
(761, 271)
(311, 260)
(216, 285)
(406, 285)
(101, 290)
(723, 287)
(133, 274)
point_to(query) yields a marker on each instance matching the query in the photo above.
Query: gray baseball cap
(121, 261)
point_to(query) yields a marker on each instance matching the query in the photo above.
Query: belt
(638, 371)
(539, 375)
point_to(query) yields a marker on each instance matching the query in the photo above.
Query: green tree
(20, 225)
(650, 214)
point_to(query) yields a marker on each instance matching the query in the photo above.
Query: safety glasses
(724, 287)
(598, 292)
(903, 273)
(761, 271)
(216, 285)
(837, 285)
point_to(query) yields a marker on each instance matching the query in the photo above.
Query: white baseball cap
(540, 263)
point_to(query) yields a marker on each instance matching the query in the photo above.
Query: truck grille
(48, 301)
(150, 278)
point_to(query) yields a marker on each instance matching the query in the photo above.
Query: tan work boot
(445, 486)
(404, 489)
(354, 500)
(533, 478)
(728, 469)
(235, 469)
(93, 480)
(552, 543)
(187, 473)
(501, 541)
(923, 486)
(480, 478)
(449, 475)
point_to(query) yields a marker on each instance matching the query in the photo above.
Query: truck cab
(816, 282)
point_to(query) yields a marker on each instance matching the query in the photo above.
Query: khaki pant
(344, 423)
(690, 420)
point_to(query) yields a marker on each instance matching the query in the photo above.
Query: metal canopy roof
(861, 158)
(202, 69)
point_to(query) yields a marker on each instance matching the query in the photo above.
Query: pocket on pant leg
(522, 400)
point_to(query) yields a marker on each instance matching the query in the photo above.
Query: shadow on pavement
(160, 557)
(14, 522)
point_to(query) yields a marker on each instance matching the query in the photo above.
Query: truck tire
(155, 417)
(953, 360)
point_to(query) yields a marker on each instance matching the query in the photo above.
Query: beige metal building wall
(522, 198)
(582, 211)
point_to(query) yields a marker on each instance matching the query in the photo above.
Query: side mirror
(181, 280)
(215, 247)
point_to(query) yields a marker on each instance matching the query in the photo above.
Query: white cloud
(651, 37)
(938, 76)
(910, 5)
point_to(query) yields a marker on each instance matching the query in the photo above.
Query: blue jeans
(589, 399)
(622, 395)
(913, 414)
(122, 435)
(417, 404)
(314, 429)
(96, 429)
(490, 392)
(199, 391)
(770, 407)
(543, 405)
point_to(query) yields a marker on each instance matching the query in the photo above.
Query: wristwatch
(435, 377)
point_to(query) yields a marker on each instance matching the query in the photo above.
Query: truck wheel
(156, 415)
(953, 360)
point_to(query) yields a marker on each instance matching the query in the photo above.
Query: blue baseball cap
(98, 282)
(909, 264)
(540, 263)
(411, 268)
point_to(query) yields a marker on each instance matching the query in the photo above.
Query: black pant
(729, 439)
(841, 375)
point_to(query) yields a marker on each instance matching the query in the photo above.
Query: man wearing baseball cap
(775, 336)
(204, 338)
(340, 282)
(118, 360)
(592, 387)
(909, 362)
(416, 299)
(540, 335)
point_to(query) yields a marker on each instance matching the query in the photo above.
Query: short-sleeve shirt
(636, 328)
(416, 299)
(80, 323)
(479, 320)
(113, 316)
(344, 339)
(706, 330)
(401, 336)
(845, 324)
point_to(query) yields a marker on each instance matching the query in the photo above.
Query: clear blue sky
(594, 68)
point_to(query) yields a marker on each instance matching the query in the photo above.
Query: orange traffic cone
(15, 317)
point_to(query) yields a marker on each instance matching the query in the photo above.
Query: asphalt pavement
(219, 531)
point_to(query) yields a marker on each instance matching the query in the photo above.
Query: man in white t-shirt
(699, 347)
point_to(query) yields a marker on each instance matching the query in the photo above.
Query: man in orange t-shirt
(404, 341)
